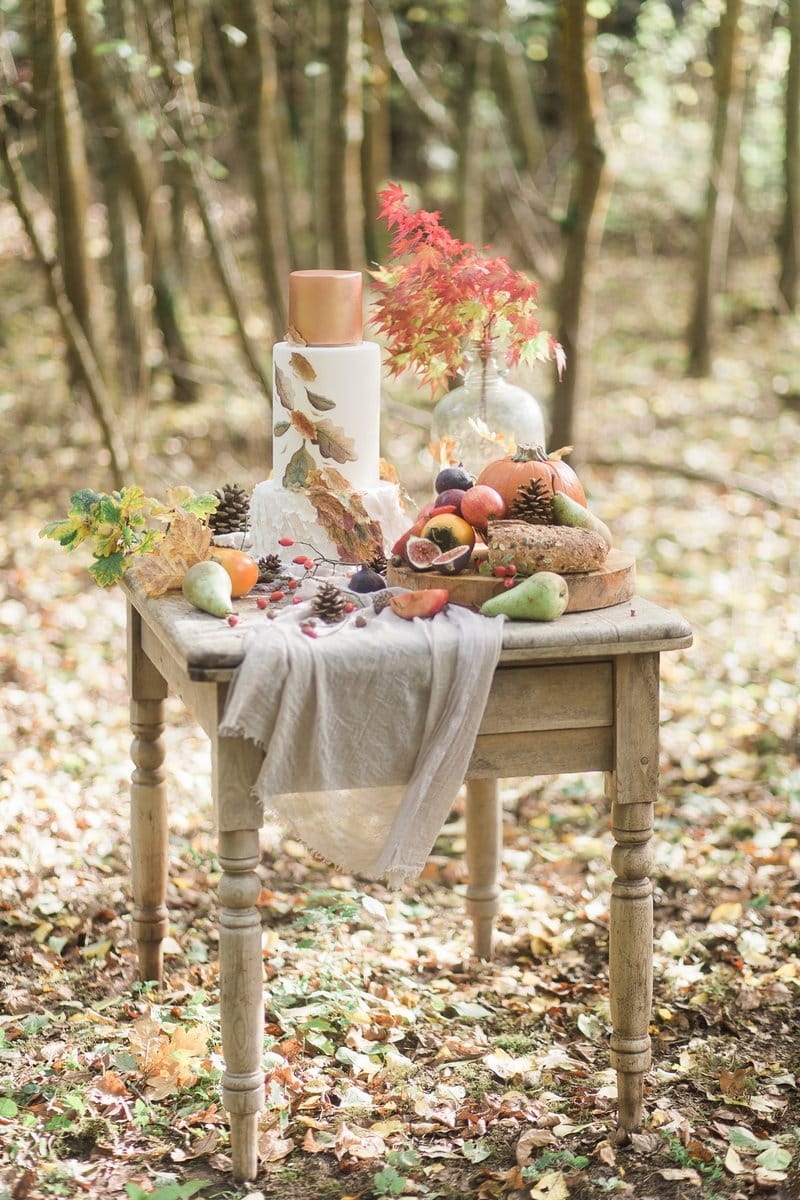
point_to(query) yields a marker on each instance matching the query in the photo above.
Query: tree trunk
(68, 173)
(254, 82)
(346, 132)
(376, 149)
(586, 216)
(715, 231)
(470, 138)
(790, 228)
(129, 323)
(515, 96)
(140, 178)
(319, 151)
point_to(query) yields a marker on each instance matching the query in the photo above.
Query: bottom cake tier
(277, 512)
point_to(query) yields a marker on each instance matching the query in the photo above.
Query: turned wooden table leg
(484, 853)
(240, 961)
(148, 812)
(632, 789)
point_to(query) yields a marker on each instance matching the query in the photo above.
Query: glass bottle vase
(485, 414)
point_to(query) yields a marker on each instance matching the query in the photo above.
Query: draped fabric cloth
(367, 729)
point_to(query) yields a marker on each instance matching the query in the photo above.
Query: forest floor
(397, 1063)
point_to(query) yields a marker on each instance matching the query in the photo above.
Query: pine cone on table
(377, 562)
(329, 604)
(269, 567)
(533, 504)
(232, 514)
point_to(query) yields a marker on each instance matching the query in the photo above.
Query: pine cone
(532, 504)
(377, 562)
(269, 567)
(232, 514)
(329, 604)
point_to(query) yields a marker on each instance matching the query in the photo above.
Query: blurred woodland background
(164, 158)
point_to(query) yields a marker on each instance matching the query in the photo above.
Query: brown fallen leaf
(272, 1147)
(736, 1083)
(685, 1174)
(186, 542)
(354, 1142)
(531, 1140)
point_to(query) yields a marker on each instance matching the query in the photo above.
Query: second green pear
(541, 597)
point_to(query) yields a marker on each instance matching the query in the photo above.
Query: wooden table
(577, 694)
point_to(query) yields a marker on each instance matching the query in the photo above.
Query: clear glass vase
(485, 404)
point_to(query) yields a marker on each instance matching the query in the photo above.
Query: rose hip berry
(285, 541)
(262, 601)
(292, 584)
(277, 595)
(233, 619)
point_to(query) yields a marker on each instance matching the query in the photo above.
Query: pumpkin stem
(529, 454)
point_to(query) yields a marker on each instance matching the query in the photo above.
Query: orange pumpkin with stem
(508, 475)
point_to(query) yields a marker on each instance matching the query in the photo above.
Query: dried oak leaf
(168, 1060)
(333, 442)
(302, 367)
(342, 515)
(186, 542)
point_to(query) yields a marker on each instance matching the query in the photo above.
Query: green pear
(567, 511)
(541, 597)
(207, 585)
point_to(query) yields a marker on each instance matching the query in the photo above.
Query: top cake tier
(326, 308)
(327, 394)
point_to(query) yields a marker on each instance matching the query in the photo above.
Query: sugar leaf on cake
(320, 403)
(304, 426)
(280, 428)
(333, 442)
(302, 367)
(298, 468)
(342, 515)
(283, 386)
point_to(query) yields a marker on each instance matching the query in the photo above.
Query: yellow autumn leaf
(551, 1186)
(168, 1061)
(186, 542)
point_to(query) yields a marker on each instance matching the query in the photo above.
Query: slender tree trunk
(476, 58)
(715, 231)
(137, 170)
(346, 132)
(319, 150)
(790, 228)
(129, 324)
(69, 173)
(515, 98)
(77, 342)
(376, 149)
(254, 82)
(586, 217)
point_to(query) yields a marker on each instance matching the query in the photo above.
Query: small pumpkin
(508, 475)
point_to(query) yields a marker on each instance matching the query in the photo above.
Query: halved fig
(425, 603)
(420, 553)
(453, 561)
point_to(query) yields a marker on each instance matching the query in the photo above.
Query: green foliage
(555, 1160)
(169, 1191)
(117, 525)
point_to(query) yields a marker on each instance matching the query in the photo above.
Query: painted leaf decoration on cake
(302, 367)
(304, 426)
(342, 515)
(334, 443)
(186, 542)
(281, 428)
(298, 468)
(320, 403)
(283, 386)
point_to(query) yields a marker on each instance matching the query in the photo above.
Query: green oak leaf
(201, 506)
(109, 569)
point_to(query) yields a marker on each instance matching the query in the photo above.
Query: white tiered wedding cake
(325, 414)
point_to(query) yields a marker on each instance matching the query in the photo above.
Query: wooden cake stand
(613, 583)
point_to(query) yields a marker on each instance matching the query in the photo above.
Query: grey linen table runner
(367, 728)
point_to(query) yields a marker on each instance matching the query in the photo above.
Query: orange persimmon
(242, 568)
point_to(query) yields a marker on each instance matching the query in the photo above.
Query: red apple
(481, 504)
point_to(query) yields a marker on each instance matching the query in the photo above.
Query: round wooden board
(613, 583)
